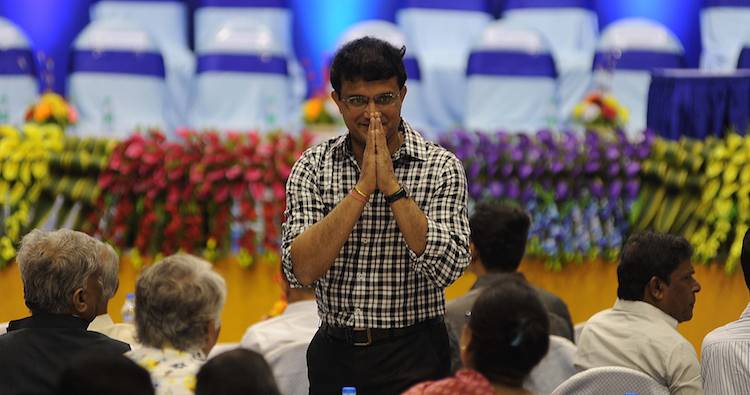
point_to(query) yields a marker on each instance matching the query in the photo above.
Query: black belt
(368, 336)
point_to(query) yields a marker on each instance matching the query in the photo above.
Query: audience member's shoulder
(105, 343)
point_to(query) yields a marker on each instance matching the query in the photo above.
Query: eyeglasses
(381, 100)
(467, 316)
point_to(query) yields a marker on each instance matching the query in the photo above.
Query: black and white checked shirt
(377, 281)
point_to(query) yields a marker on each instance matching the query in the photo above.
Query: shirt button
(360, 276)
(365, 240)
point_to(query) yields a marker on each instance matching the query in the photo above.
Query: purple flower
(615, 189)
(613, 169)
(632, 188)
(496, 189)
(632, 168)
(524, 171)
(597, 188)
(513, 189)
(561, 190)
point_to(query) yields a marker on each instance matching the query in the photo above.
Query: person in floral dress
(178, 302)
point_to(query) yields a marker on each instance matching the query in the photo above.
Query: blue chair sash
(118, 62)
(17, 61)
(638, 60)
(726, 3)
(412, 69)
(744, 60)
(245, 3)
(455, 5)
(235, 63)
(511, 63)
(515, 4)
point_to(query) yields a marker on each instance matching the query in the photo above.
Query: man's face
(678, 297)
(358, 99)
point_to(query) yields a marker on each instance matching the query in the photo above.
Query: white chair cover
(116, 80)
(3, 327)
(18, 78)
(554, 368)
(243, 82)
(442, 33)
(289, 366)
(577, 330)
(166, 22)
(212, 15)
(220, 348)
(725, 29)
(571, 29)
(511, 81)
(610, 380)
(413, 109)
(628, 51)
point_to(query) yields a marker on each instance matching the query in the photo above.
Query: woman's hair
(509, 331)
(54, 264)
(239, 371)
(175, 299)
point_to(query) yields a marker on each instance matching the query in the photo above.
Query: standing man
(377, 223)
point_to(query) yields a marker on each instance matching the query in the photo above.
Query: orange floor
(587, 288)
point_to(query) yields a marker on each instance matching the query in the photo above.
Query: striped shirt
(725, 358)
(377, 281)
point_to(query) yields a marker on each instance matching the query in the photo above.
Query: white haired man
(62, 282)
(103, 323)
(178, 302)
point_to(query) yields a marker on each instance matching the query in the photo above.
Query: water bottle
(349, 391)
(128, 309)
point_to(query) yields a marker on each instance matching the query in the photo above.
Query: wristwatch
(400, 194)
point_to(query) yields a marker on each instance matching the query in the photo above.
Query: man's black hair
(367, 59)
(646, 255)
(499, 233)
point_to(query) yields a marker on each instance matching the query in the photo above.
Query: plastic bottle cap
(349, 391)
(130, 295)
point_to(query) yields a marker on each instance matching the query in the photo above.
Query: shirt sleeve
(685, 371)
(304, 207)
(446, 253)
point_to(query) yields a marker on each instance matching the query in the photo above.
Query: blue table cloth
(696, 104)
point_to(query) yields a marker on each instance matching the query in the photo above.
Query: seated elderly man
(656, 291)
(178, 303)
(103, 322)
(62, 283)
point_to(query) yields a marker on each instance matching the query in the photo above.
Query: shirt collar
(46, 321)
(646, 309)
(414, 145)
(101, 321)
(746, 314)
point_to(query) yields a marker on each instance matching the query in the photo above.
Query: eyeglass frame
(394, 97)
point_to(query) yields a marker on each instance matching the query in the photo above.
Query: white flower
(590, 112)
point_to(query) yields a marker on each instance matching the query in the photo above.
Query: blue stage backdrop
(52, 25)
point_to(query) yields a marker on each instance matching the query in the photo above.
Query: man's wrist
(393, 188)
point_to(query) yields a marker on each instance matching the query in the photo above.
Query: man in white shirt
(283, 340)
(103, 323)
(725, 354)
(656, 291)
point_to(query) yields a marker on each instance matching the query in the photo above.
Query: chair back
(511, 69)
(18, 74)
(627, 52)
(441, 34)
(724, 31)
(116, 79)
(554, 368)
(610, 380)
(242, 80)
(569, 26)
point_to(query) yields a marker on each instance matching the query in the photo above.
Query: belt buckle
(362, 344)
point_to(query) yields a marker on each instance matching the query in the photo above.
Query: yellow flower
(149, 363)
(7, 251)
(245, 258)
(16, 193)
(189, 383)
(42, 111)
(312, 109)
(39, 169)
(10, 170)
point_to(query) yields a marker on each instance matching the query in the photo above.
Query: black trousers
(386, 367)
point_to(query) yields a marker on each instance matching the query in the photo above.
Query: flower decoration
(320, 110)
(578, 190)
(52, 108)
(600, 111)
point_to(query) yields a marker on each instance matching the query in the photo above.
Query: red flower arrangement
(163, 196)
